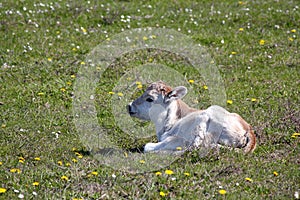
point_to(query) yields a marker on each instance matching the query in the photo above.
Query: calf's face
(154, 100)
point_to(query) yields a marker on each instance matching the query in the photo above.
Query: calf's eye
(149, 99)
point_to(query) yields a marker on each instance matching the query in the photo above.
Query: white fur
(181, 127)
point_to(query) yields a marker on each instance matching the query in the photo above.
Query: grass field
(43, 46)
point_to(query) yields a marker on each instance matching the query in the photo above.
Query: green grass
(44, 44)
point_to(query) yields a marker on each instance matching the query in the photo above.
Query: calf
(179, 127)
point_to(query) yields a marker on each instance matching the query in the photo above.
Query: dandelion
(3, 126)
(142, 161)
(233, 53)
(50, 59)
(191, 81)
(60, 163)
(205, 87)
(94, 173)
(2, 190)
(68, 164)
(145, 38)
(64, 178)
(150, 59)
(222, 192)
(69, 83)
(63, 89)
(1, 163)
(41, 94)
(35, 183)
(186, 173)
(82, 63)
(111, 93)
(275, 173)
(21, 160)
(253, 99)
(248, 179)
(262, 42)
(139, 86)
(293, 31)
(153, 36)
(291, 39)
(37, 158)
(295, 135)
(229, 101)
(158, 173)
(74, 160)
(120, 94)
(161, 193)
(178, 148)
(73, 76)
(15, 170)
(169, 172)
(241, 29)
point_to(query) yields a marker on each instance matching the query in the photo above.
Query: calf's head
(156, 99)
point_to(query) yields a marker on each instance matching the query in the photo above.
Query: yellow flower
(2, 190)
(74, 160)
(293, 31)
(150, 59)
(40, 93)
(94, 173)
(21, 160)
(15, 170)
(50, 59)
(120, 94)
(69, 83)
(169, 172)
(1, 163)
(142, 161)
(186, 173)
(275, 173)
(233, 53)
(82, 63)
(291, 39)
(68, 164)
(138, 83)
(295, 135)
(205, 87)
(222, 192)
(253, 99)
(145, 38)
(37, 158)
(262, 42)
(111, 93)
(178, 148)
(241, 29)
(78, 155)
(3, 126)
(229, 101)
(248, 179)
(60, 163)
(161, 193)
(64, 178)
(153, 36)
(35, 183)
(139, 86)
(63, 89)
(73, 76)
(158, 173)
(191, 81)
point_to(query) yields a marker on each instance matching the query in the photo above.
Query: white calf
(180, 127)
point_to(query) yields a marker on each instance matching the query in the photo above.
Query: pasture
(45, 50)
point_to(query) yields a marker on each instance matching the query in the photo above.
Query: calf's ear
(176, 93)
